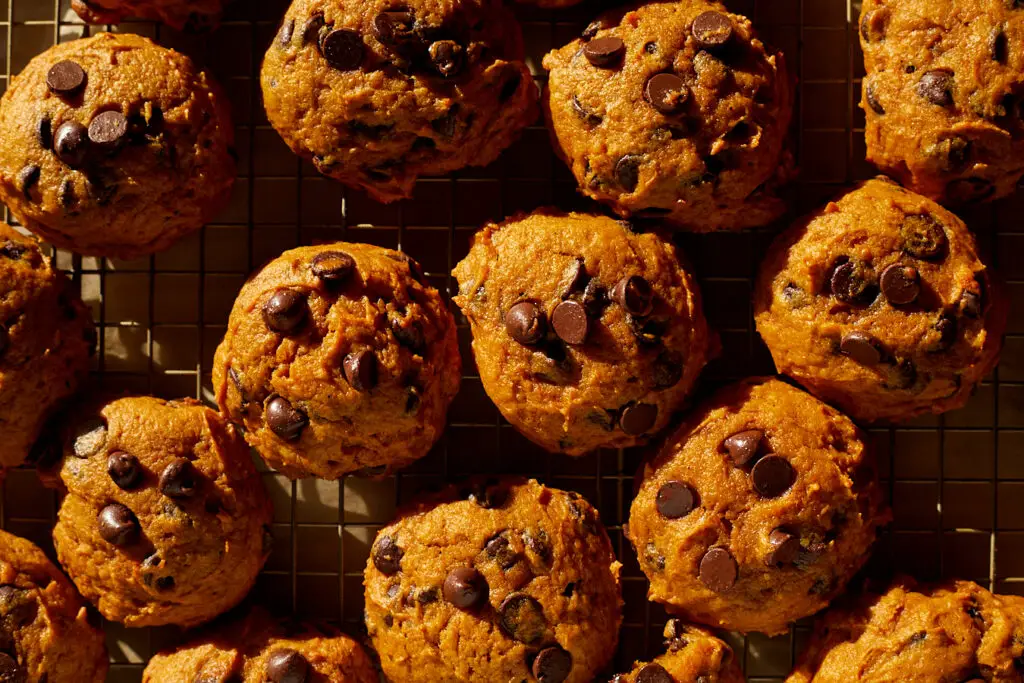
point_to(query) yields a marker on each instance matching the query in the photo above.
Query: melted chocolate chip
(284, 36)
(333, 268)
(408, 333)
(287, 666)
(552, 665)
(44, 132)
(872, 98)
(124, 469)
(772, 476)
(627, 171)
(900, 284)
(718, 570)
(387, 556)
(852, 282)
(635, 295)
(285, 311)
(588, 117)
(465, 588)
(861, 347)
(118, 525)
(936, 87)
(676, 499)
(947, 330)
(284, 420)
(637, 418)
(784, 548)
(526, 322)
(654, 673)
(744, 446)
(65, 78)
(604, 52)
(712, 30)
(179, 479)
(874, 25)
(521, 617)
(360, 369)
(923, 236)
(394, 27)
(343, 49)
(447, 57)
(570, 322)
(500, 550)
(666, 92)
(28, 178)
(71, 143)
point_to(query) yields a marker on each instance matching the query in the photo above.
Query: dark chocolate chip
(923, 236)
(118, 525)
(100, 189)
(65, 78)
(125, 470)
(712, 30)
(637, 418)
(852, 282)
(772, 476)
(627, 171)
(969, 190)
(718, 570)
(900, 284)
(428, 596)
(676, 499)
(333, 268)
(387, 556)
(28, 177)
(285, 420)
(971, 304)
(872, 98)
(783, 548)
(285, 311)
(108, 131)
(287, 666)
(71, 143)
(90, 437)
(588, 117)
(654, 673)
(490, 496)
(44, 132)
(874, 25)
(592, 29)
(552, 665)
(861, 347)
(447, 57)
(311, 29)
(409, 333)
(635, 295)
(499, 549)
(343, 49)
(465, 588)
(999, 45)
(936, 87)
(574, 278)
(595, 297)
(394, 27)
(668, 369)
(284, 36)
(539, 544)
(178, 480)
(666, 92)
(744, 446)
(651, 47)
(511, 87)
(604, 52)
(360, 368)
(570, 322)
(947, 330)
(526, 322)
(522, 618)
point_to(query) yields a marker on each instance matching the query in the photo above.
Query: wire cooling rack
(957, 483)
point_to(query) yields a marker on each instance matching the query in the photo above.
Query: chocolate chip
(108, 131)
(595, 297)
(666, 92)
(651, 47)
(574, 278)
(637, 418)
(999, 45)
(552, 665)
(125, 470)
(872, 98)
(510, 87)
(387, 556)
(500, 550)
(676, 499)
(648, 332)
(654, 673)
(635, 295)
(900, 284)
(712, 30)
(668, 369)
(718, 570)
(178, 480)
(539, 544)
(627, 171)
(12, 250)
(604, 52)
(287, 666)
(465, 588)
(333, 268)
(394, 27)
(65, 78)
(522, 618)
(588, 117)
(861, 347)
(10, 672)
(936, 87)
(408, 333)
(874, 25)
(44, 132)
(971, 304)
(284, 36)
(923, 236)
(28, 177)
(101, 190)
(71, 143)
(526, 322)
(744, 446)
(118, 525)
(772, 476)
(570, 322)
(90, 437)
(783, 548)
(311, 29)
(947, 330)
(284, 420)
(343, 49)
(969, 190)
(360, 368)
(447, 57)
(593, 28)
(852, 282)
(285, 311)
(490, 496)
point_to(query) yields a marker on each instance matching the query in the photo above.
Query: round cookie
(188, 15)
(114, 146)
(380, 93)
(586, 334)
(954, 632)
(693, 654)
(338, 358)
(674, 110)
(758, 511)
(880, 305)
(46, 631)
(944, 95)
(256, 648)
(46, 339)
(164, 518)
(499, 581)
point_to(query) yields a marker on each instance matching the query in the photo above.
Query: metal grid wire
(957, 483)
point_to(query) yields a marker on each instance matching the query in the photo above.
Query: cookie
(758, 511)
(880, 305)
(497, 581)
(377, 94)
(693, 655)
(46, 630)
(674, 110)
(256, 648)
(188, 15)
(338, 358)
(164, 518)
(586, 334)
(944, 95)
(46, 339)
(114, 146)
(918, 634)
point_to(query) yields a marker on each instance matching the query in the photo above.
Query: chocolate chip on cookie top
(880, 304)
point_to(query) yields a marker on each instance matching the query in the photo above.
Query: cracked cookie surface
(880, 304)
(692, 655)
(188, 15)
(674, 110)
(338, 358)
(495, 581)
(165, 519)
(114, 146)
(758, 510)
(586, 334)
(381, 92)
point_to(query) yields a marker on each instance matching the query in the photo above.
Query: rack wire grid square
(956, 481)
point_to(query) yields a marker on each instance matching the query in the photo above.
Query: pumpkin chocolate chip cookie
(256, 648)
(880, 304)
(164, 518)
(944, 95)
(114, 146)
(918, 634)
(381, 92)
(758, 510)
(693, 655)
(496, 581)
(46, 338)
(674, 110)
(46, 631)
(188, 15)
(586, 334)
(338, 358)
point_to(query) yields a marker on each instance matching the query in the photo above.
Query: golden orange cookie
(692, 655)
